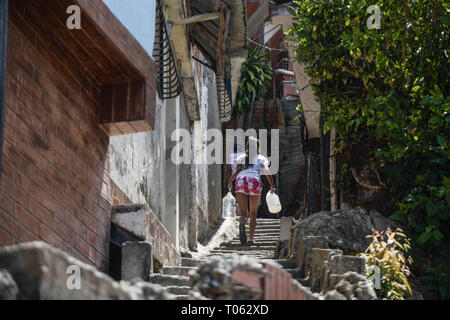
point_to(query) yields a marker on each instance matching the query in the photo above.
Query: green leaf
(432, 208)
(445, 20)
(437, 235)
(346, 36)
(441, 140)
(398, 216)
(424, 237)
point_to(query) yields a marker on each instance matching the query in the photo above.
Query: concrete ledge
(139, 220)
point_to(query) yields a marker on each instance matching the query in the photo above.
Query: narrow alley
(141, 140)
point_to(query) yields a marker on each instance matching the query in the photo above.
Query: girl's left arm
(269, 177)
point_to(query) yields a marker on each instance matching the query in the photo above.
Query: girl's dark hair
(249, 140)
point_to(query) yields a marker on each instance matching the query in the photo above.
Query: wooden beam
(222, 41)
(197, 18)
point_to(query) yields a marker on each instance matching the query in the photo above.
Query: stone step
(238, 246)
(258, 254)
(262, 234)
(266, 253)
(261, 238)
(266, 233)
(257, 243)
(169, 280)
(182, 297)
(191, 262)
(285, 263)
(178, 270)
(303, 281)
(265, 227)
(183, 290)
(243, 248)
(294, 272)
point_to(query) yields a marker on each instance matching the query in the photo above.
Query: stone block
(137, 261)
(303, 258)
(141, 222)
(8, 287)
(354, 286)
(286, 224)
(281, 250)
(340, 264)
(326, 272)
(133, 218)
(43, 273)
(315, 274)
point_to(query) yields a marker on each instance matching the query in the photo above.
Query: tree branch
(363, 184)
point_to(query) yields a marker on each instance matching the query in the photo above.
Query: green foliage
(386, 93)
(255, 78)
(438, 280)
(387, 252)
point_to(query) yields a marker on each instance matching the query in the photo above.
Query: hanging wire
(265, 47)
(169, 84)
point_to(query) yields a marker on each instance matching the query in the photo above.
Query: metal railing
(169, 84)
(224, 98)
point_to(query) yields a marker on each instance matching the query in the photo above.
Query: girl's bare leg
(242, 200)
(254, 205)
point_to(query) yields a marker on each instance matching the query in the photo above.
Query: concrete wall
(207, 194)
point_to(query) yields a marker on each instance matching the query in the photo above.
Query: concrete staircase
(176, 279)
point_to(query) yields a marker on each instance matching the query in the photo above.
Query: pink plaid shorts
(250, 186)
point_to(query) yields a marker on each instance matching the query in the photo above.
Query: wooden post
(197, 18)
(333, 170)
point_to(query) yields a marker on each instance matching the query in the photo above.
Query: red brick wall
(55, 181)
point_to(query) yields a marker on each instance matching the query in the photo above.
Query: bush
(385, 91)
(255, 78)
(387, 254)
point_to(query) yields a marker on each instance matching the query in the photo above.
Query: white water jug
(229, 206)
(273, 202)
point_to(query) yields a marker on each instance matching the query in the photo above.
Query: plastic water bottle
(273, 202)
(229, 206)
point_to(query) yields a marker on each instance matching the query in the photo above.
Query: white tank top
(253, 171)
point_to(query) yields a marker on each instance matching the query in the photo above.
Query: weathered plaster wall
(136, 161)
(207, 196)
(142, 167)
(184, 189)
